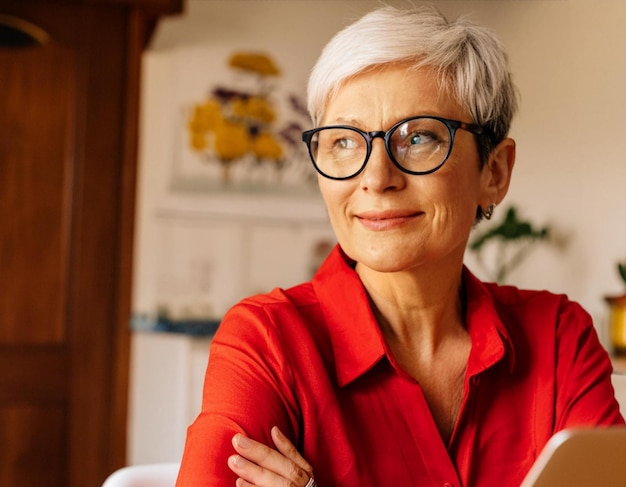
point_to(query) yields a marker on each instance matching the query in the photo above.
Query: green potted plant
(617, 320)
(512, 239)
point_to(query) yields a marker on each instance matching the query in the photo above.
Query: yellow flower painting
(236, 126)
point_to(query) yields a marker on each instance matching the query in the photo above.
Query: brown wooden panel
(32, 445)
(68, 114)
(157, 6)
(93, 270)
(35, 154)
(29, 374)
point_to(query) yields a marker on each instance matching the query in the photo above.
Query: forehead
(389, 93)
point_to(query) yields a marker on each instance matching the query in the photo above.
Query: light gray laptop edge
(581, 457)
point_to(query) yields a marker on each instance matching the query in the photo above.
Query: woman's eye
(421, 138)
(345, 143)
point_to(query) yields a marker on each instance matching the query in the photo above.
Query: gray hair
(471, 63)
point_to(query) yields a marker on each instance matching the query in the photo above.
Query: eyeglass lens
(418, 145)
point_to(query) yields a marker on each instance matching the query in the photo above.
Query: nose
(380, 173)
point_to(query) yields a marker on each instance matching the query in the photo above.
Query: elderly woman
(396, 366)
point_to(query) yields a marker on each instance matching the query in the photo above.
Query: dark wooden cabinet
(68, 130)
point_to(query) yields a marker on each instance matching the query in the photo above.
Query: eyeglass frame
(452, 126)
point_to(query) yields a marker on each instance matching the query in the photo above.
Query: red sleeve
(247, 389)
(584, 395)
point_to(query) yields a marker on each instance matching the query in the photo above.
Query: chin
(383, 259)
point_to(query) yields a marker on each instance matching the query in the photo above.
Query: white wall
(569, 62)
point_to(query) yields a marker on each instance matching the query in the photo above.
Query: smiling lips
(386, 220)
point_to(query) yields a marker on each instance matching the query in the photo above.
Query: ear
(496, 173)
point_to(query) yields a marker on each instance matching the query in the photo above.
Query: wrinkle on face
(446, 200)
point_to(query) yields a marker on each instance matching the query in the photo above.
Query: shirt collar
(357, 341)
(491, 340)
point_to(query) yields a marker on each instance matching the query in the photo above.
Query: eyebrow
(344, 121)
(358, 124)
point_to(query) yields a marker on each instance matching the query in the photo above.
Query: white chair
(150, 475)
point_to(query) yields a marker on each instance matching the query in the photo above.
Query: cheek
(456, 197)
(326, 192)
(465, 179)
(336, 195)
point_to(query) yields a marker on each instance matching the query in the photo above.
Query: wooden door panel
(62, 126)
(32, 441)
(68, 114)
(31, 374)
(35, 178)
(36, 118)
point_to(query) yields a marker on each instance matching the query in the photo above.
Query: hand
(259, 465)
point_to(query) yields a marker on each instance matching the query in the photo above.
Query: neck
(417, 306)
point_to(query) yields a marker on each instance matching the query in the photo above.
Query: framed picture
(241, 114)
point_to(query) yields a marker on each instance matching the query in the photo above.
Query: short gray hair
(471, 63)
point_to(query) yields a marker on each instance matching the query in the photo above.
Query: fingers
(260, 465)
(251, 474)
(288, 450)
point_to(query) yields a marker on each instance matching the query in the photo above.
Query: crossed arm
(259, 465)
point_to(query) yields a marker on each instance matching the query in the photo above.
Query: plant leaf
(621, 267)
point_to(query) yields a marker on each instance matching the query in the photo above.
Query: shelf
(194, 327)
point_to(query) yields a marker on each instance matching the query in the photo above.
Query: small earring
(488, 213)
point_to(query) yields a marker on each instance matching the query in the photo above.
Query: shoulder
(277, 303)
(282, 314)
(530, 316)
(537, 306)
(544, 323)
(507, 295)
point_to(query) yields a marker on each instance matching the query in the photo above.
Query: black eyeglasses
(417, 145)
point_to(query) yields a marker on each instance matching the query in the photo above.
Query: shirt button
(447, 484)
(475, 380)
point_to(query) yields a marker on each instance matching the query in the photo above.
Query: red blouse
(312, 360)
